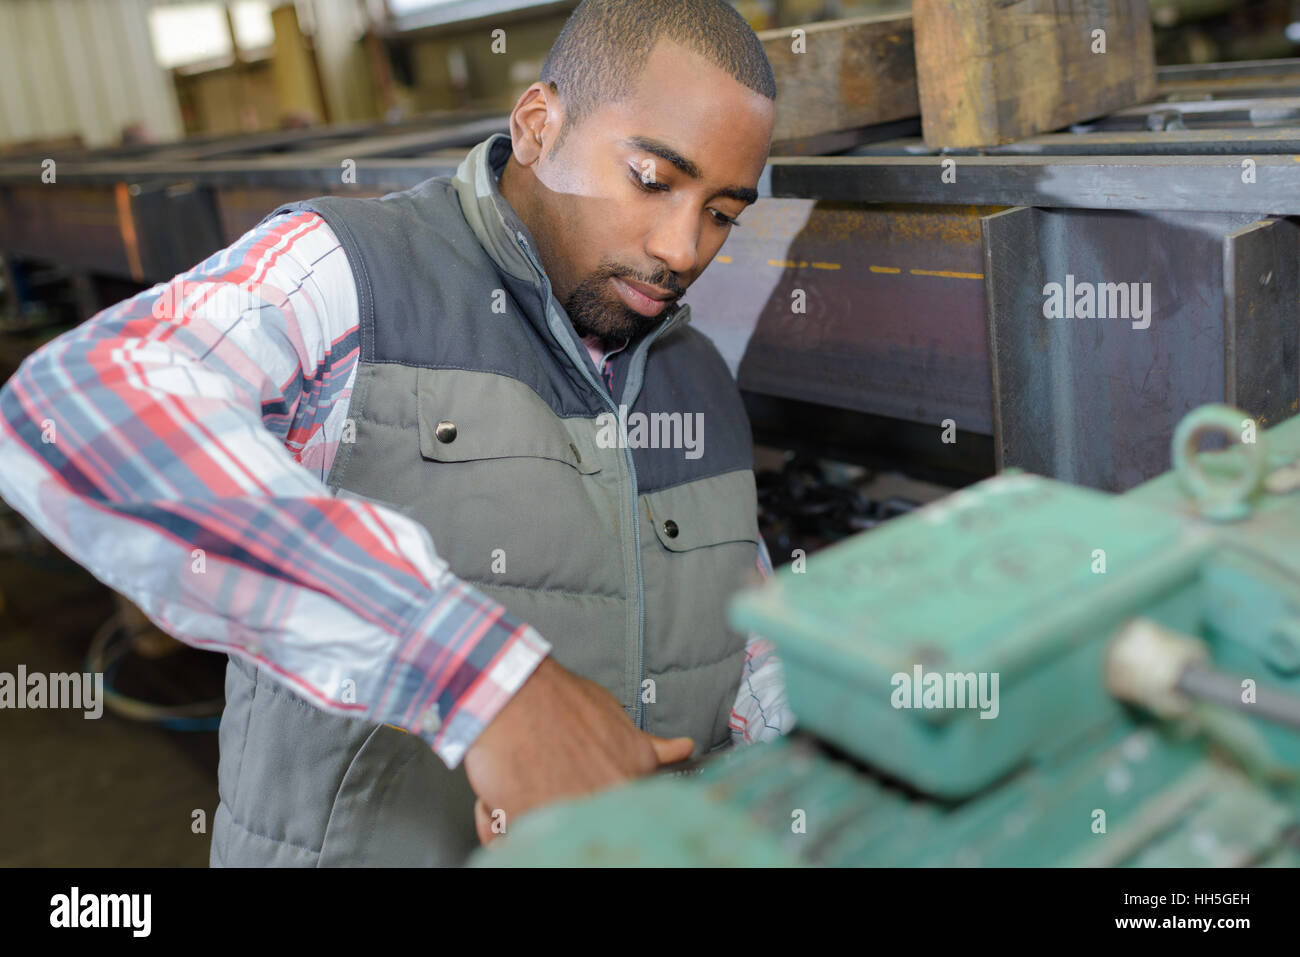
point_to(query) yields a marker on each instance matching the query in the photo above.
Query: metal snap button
(445, 431)
(670, 528)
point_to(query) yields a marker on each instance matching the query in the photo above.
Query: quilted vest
(478, 412)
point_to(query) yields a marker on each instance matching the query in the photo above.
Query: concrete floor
(95, 793)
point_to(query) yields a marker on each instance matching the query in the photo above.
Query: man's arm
(761, 712)
(175, 445)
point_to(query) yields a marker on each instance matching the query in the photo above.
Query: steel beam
(876, 310)
(1094, 400)
(1178, 183)
(1261, 274)
(1234, 142)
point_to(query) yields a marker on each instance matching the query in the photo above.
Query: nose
(675, 240)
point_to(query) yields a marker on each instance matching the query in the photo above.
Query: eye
(648, 185)
(651, 186)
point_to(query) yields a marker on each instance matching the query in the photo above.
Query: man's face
(642, 191)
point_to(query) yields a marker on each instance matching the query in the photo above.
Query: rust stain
(126, 223)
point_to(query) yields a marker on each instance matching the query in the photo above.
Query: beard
(595, 309)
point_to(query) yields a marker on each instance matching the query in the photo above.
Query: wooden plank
(294, 70)
(842, 74)
(993, 71)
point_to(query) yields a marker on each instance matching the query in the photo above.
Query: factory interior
(1015, 324)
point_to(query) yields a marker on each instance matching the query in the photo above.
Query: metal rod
(1210, 685)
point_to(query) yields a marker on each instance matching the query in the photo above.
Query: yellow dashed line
(724, 259)
(888, 270)
(946, 274)
(801, 264)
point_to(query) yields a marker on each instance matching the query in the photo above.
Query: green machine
(1022, 673)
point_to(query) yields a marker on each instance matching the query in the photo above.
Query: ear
(535, 123)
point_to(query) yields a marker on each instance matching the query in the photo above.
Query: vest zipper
(631, 467)
(642, 350)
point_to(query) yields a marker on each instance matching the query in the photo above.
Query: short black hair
(605, 44)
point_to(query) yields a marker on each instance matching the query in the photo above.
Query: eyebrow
(745, 194)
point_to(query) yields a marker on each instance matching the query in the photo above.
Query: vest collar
(493, 220)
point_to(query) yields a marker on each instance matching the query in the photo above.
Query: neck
(510, 187)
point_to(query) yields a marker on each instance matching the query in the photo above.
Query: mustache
(663, 280)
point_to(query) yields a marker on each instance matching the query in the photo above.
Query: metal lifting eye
(1221, 495)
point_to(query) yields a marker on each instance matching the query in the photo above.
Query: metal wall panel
(81, 67)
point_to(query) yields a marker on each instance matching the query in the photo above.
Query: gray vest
(621, 555)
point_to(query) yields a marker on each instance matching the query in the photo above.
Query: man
(402, 487)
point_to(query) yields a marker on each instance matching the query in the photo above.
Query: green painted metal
(668, 826)
(995, 580)
(1028, 580)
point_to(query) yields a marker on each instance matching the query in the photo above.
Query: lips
(637, 300)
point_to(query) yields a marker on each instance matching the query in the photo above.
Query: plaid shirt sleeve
(761, 711)
(177, 445)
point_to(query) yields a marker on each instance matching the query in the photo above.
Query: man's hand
(559, 736)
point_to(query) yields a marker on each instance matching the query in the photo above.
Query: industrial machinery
(1024, 672)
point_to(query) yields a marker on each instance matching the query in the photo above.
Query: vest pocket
(468, 416)
(399, 806)
(710, 511)
(516, 498)
(704, 549)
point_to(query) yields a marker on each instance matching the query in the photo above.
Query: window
(253, 29)
(185, 33)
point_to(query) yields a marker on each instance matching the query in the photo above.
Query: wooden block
(842, 74)
(993, 71)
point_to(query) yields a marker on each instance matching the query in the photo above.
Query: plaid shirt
(177, 446)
